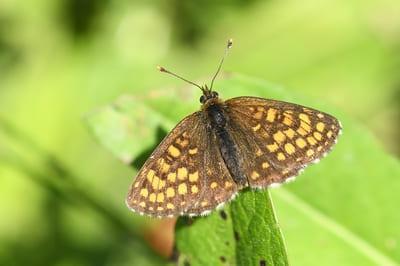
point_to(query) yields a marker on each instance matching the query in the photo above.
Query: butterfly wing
(278, 139)
(184, 175)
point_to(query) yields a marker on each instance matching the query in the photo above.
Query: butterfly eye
(202, 99)
(214, 94)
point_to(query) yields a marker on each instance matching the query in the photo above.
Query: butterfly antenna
(230, 42)
(179, 77)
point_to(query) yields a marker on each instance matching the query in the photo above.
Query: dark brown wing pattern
(277, 139)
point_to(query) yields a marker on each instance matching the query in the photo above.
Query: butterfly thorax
(216, 119)
(212, 110)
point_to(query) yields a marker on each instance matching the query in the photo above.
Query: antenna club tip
(159, 68)
(230, 42)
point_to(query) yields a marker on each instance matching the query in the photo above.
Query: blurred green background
(62, 194)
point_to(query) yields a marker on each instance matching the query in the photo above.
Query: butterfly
(228, 145)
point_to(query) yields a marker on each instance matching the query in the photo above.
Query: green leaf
(205, 240)
(257, 231)
(245, 232)
(126, 127)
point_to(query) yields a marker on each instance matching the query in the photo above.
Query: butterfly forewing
(277, 139)
(170, 181)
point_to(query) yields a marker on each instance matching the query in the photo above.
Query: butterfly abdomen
(216, 121)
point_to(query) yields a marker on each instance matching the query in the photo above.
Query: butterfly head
(207, 94)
